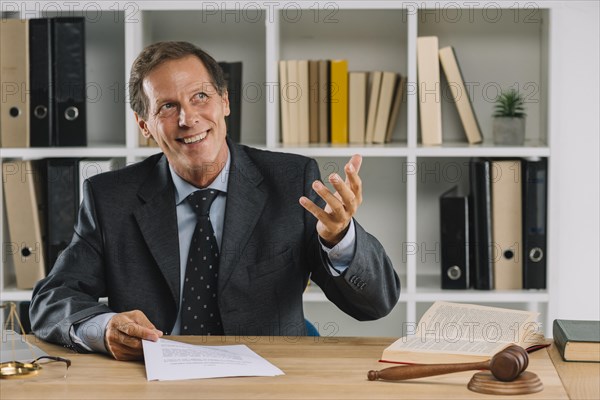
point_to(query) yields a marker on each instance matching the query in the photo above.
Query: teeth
(194, 139)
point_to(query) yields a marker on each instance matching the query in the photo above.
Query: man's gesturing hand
(341, 206)
(124, 334)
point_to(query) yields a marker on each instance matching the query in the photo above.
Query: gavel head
(508, 364)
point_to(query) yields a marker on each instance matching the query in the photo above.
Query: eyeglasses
(52, 365)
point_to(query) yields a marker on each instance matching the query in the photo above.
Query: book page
(453, 323)
(453, 332)
(482, 347)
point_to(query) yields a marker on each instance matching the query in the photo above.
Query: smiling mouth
(194, 139)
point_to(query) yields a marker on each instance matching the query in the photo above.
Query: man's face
(186, 117)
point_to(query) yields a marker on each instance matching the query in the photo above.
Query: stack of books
(322, 102)
(429, 58)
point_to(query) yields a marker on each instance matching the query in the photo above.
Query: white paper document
(167, 360)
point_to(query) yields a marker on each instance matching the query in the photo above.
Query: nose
(188, 116)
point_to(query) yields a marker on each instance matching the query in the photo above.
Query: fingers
(330, 227)
(123, 347)
(124, 334)
(335, 218)
(340, 206)
(348, 191)
(141, 328)
(334, 207)
(345, 193)
(335, 202)
(352, 177)
(314, 209)
(356, 162)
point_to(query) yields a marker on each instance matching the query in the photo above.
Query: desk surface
(315, 368)
(580, 379)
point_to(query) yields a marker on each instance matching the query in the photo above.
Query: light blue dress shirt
(90, 333)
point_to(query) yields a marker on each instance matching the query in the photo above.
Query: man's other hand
(333, 221)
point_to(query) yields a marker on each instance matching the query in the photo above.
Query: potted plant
(509, 119)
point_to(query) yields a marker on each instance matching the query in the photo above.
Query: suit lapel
(157, 219)
(245, 202)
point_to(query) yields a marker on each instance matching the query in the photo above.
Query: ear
(225, 99)
(141, 123)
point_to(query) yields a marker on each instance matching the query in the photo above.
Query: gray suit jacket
(125, 247)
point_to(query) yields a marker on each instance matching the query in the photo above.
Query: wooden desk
(580, 379)
(315, 368)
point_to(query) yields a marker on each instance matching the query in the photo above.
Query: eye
(201, 97)
(167, 108)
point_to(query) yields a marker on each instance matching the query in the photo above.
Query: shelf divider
(272, 32)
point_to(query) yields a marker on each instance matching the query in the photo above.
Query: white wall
(574, 119)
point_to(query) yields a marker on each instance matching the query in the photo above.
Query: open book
(452, 332)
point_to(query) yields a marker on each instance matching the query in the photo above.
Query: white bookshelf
(399, 207)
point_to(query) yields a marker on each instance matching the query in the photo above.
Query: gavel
(506, 366)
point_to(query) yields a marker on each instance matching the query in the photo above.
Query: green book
(577, 340)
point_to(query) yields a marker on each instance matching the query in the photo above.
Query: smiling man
(185, 115)
(209, 237)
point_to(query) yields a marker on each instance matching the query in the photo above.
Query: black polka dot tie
(200, 309)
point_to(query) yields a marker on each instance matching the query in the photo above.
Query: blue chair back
(310, 329)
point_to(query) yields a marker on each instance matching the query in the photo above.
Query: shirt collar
(183, 188)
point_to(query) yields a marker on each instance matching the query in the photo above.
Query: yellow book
(339, 101)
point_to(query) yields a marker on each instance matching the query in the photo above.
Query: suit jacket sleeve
(70, 293)
(369, 288)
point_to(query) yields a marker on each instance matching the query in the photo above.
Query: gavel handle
(399, 373)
